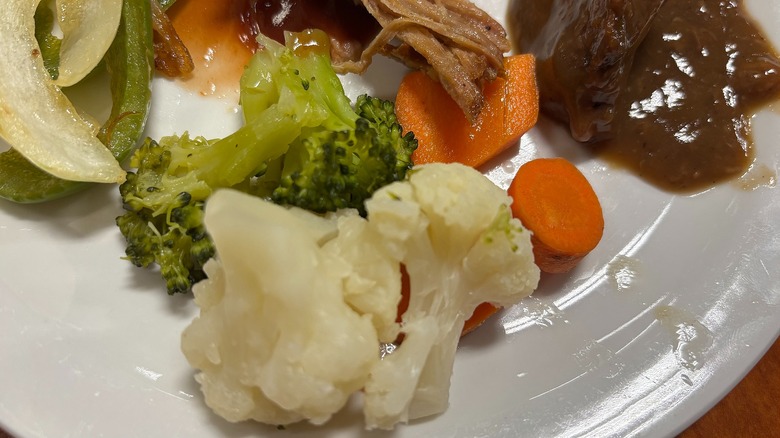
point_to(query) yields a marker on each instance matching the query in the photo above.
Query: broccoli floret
(328, 170)
(302, 144)
(176, 242)
(163, 222)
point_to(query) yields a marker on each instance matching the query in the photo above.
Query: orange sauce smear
(215, 36)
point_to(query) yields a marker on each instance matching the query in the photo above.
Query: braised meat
(666, 88)
(584, 51)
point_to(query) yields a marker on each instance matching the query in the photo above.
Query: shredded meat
(454, 41)
(171, 56)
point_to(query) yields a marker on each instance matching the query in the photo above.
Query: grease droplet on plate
(594, 356)
(541, 313)
(759, 175)
(622, 272)
(532, 311)
(691, 338)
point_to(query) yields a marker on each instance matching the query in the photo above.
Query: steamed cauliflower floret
(461, 247)
(275, 341)
(296, 305)
(374, 286)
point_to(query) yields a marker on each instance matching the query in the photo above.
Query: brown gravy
(682, 118)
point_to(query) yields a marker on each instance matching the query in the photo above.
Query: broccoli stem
(273, 130)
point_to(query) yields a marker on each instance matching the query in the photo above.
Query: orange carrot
(444, 134)
(554, 200)
(405, 288)
(481, 313)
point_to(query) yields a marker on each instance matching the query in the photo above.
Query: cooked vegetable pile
(54, 147)
(308, 238)
(38, 121)
(303, 144)
(292, 316)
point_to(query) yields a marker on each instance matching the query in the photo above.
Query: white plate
(680, 299)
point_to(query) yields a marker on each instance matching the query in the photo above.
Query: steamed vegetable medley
(303, 144)
(309, 237)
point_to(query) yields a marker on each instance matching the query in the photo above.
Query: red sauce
(220, 35)
(343, 20)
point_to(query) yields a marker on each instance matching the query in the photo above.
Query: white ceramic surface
(677, 303)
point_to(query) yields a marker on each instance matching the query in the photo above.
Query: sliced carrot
(554, 200)
(444, 134)
(403, 304)
(481, 313)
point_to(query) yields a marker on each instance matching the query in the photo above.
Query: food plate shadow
(149, 281)
(554, 286)
(381, 79)
(225, 429)
(489, 333)
(81, 215)
(505, 157)
(346, 423)
(557, 142)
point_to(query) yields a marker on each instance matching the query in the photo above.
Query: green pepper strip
(49, 44)
(130, 65)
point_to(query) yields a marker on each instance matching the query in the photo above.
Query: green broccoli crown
(381, 117)
(328, 170)
(163, 219)
(177, 242)
(303, 144)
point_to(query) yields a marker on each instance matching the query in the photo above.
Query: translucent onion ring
(88, 28)
(36, 118)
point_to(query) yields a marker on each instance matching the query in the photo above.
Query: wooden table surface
(750, 410)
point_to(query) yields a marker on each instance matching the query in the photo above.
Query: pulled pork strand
(454, 41)
(171, 56)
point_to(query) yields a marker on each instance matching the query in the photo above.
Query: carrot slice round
(554, 200)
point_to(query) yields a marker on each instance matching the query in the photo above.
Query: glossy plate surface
(680, 299)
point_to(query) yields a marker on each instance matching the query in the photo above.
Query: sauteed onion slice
(36, 118)
(88, 28)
